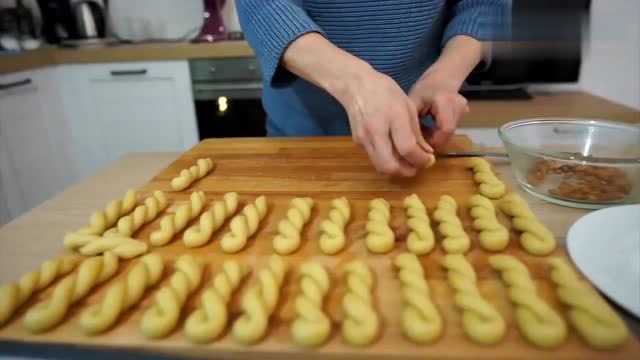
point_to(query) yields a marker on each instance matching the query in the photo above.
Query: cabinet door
(34, 165)
(133, 107)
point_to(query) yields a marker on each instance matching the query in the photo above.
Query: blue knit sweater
(400, 38)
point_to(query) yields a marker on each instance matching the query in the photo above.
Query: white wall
(611, 65)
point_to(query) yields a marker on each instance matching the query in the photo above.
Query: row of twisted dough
(536, 239)
(456, 240)
(592, 317)
(259, 302)
(312, 326)
(187, 176)
(142, 214)
(480, 320)
(15, 294)
(421, 321)
(420, 240)
(361, 324)
(244, 225)
(488, 183)
(102, 220)
(380, 238)
(162, 317)
(173, 223)
(91, 245)
(537, 321)
(90, 273)
(211, 220)
(493, 236)
(332, 235)
(289, 229)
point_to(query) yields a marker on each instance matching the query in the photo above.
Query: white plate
(605, 246)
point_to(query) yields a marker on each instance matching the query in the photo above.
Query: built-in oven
(227, 95)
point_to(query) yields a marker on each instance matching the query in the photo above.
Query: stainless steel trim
(136, 72)
(15, 84)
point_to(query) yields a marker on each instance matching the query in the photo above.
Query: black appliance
(66, 20)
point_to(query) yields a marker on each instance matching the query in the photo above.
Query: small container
(580, 163)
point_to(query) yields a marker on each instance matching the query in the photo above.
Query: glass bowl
(575, 162)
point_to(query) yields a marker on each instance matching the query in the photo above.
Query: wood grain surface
(323, 169)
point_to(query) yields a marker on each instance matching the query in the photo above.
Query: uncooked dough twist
(537, 321)
(91, 245)
(100, 221)
(488, 184)
(171, 224)
(536, 239)
(361, 323)
(332, 229)
(163, 315)
(244, 225)
(592, 317)
(289, 229)
(142, 214)
(13, 295)
(91, 272)
(187, 176)
(421, 320)
(311, 326)
(456, 240)
(122, 295)
(209, 320)
(380, 238)
(480, 320)
(493, 236)
(259, 302)
(211, 220)
(420, 240)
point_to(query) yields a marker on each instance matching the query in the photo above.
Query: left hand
(434, 94)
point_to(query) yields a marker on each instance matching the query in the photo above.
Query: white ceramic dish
(605, 246)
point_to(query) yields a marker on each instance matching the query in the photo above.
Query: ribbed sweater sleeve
(270, 26)
(484, 20)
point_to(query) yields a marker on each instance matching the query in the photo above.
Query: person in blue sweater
(370, 68)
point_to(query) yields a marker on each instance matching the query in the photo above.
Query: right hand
(384, 121)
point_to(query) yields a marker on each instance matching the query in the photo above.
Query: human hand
(434, 94)
(385, 123)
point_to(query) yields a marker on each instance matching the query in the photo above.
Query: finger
(388, 163)
(415, 126)
(445, 124)
(405, 140)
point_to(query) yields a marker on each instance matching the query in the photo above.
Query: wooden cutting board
(323, 168)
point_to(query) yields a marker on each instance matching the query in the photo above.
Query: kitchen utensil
(90, 19)
(605, 246)
(575, 162)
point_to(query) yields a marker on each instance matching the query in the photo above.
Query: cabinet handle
(128, 72)
(16, 84)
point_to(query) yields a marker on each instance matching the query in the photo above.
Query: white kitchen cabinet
(117, 108)
(34, 157)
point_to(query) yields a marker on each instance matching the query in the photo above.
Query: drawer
(232, 69)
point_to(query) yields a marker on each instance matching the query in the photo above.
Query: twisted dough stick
(259, 302)
(537, 321)
(380, 238)
(195, 172)
(209, 320)
(360, 325)
(100, 221)
(122, 295)
(91, 245)
(332, 236)
(13, 295)
(142, 214)
(420, 240)
(173, 223)
(311, 326)
(162, 316)
(456, 240)
(536, 239)
(211, 220)
(244, 225)
(594, 319)
(493, 235)
(481, 321)
(91, 272)
(289, 228)
(489, 185)
(421, 321)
